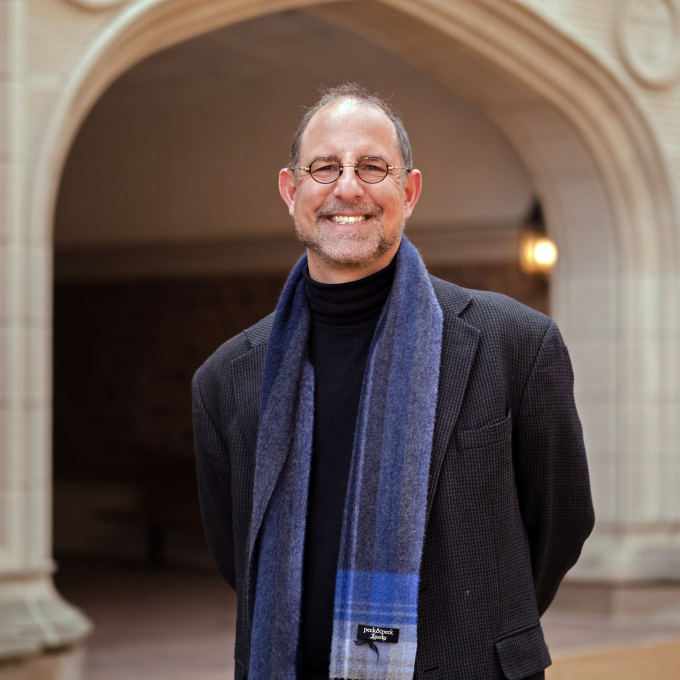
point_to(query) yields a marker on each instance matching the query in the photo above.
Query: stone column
(628, 358)
(34, 619)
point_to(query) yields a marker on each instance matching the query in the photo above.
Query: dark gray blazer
(509, 503)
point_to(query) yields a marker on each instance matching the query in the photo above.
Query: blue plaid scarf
(384, 516)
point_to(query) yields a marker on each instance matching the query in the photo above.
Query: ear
(412, 188)
(288, 189)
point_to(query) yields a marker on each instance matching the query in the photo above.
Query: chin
(352, 251)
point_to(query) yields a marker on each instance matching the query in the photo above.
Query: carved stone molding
(98, 4)
(648, 33)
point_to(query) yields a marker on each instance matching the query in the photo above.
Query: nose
(348, 186)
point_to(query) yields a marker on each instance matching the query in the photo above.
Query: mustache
(335, 206)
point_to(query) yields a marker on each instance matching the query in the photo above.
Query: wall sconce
(537, 253)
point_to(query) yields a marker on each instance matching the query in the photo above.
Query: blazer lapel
(459, 346)
(246, 372)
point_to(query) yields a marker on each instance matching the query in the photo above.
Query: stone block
(603, 485)
(39, 258)
(39, 419)
(38, 363)
(4, 40)
(4, 224)
(5, 103)
(3, 440)
(647, 491)
(14, 274)
(38, 538)
(68, 664)
(591, 304)
(594, 368)
(640, 431)
(634, 599)
(599, 430)
(4, 377)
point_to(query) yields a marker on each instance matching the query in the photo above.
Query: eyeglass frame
(352, 165)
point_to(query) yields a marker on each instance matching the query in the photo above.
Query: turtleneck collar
(354, 302)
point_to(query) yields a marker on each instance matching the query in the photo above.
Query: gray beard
(354, 251)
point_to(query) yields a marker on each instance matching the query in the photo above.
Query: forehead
(350, 129)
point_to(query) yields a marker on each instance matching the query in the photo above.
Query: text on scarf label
(377, 634)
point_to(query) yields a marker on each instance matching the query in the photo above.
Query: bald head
(352, 94)
(349, 119)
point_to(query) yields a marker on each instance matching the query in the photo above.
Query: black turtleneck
(344, 318)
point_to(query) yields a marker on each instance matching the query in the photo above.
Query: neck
(324, 272)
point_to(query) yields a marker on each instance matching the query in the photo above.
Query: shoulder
(216, 368)
(496, 316)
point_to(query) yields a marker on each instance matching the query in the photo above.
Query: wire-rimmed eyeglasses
(371, 169)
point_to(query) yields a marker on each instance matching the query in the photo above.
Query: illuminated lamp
(537, 253)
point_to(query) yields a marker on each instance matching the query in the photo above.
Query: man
(391, 468)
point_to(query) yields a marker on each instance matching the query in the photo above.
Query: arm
(551, 469)
(214, 486)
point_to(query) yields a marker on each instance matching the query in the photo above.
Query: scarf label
(375, 634)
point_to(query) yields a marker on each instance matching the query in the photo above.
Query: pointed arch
(602, 179)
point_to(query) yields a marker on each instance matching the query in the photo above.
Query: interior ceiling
(186, 145)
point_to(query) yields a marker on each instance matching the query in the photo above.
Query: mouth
(346, 219)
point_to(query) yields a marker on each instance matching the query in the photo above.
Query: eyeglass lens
(327, 170)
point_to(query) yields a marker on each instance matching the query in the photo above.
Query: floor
(177, 624)
(152, 623)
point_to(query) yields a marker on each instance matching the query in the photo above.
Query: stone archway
(600, 175)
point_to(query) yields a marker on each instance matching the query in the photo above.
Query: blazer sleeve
(213, 470)
(551, 469)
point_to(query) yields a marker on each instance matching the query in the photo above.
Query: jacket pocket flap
(523, 652)
(485, 436)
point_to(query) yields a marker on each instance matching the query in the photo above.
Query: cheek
(307, 203)
(393, 206)
(298, 206)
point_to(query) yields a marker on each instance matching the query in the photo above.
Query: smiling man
(391, 468)
(351, 222)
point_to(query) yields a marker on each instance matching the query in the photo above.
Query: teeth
(341, 219)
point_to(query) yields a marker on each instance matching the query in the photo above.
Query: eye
(373, 163)
(325, 166)
(372, 169)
